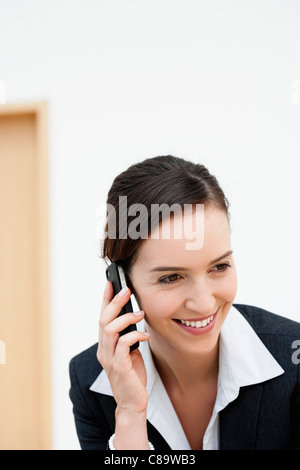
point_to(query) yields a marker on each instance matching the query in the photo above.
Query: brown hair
(159, 180)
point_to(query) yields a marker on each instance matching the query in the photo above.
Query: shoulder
(280, 335)
(265, 322)
(85, 366)
(93, 416)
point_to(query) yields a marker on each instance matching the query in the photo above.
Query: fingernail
(123, 291)
(138, 313)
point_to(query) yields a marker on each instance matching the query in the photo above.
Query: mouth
(197, 326)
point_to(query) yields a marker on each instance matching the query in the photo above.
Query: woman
(208, 374)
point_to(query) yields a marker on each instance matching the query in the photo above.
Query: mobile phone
(116, 276)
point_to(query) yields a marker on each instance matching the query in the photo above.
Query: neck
(185, 371)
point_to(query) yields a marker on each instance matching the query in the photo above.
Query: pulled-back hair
(158, 180)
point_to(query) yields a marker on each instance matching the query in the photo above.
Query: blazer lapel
(238, 421)
(108, 405)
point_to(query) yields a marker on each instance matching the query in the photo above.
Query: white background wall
(212, 81)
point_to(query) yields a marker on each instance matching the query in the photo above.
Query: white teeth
(198, 324)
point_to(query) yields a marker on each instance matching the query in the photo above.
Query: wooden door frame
(40, 110)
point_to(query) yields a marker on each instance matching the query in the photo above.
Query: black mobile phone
(116, 276)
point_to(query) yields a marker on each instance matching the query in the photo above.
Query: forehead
(172, 243)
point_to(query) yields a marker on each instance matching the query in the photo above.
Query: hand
(126, 371)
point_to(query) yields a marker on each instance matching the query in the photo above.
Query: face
(185, 293)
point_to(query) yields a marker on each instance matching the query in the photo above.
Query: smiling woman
(193, 290)
(209, 374)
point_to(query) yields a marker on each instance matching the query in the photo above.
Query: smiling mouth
(197, 323)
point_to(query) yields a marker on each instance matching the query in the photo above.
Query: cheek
(158, 305)
(228, 288)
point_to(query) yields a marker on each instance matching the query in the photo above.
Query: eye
(169, 279)
(220, 268)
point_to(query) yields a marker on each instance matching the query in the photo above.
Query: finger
(112, 330)
(123, 321)
(107, 295)
(107, 336)
(125, 341)
(114, 307)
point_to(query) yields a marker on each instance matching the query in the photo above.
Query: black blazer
(265, 416)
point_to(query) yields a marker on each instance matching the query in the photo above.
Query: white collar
(243, 360)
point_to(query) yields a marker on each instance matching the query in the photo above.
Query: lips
(197, 326)
(197, 323)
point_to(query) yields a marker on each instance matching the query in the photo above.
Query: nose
(200, 298)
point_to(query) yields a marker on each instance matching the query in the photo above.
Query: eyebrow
(179, 268)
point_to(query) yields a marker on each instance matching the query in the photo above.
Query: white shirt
(243, 360)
